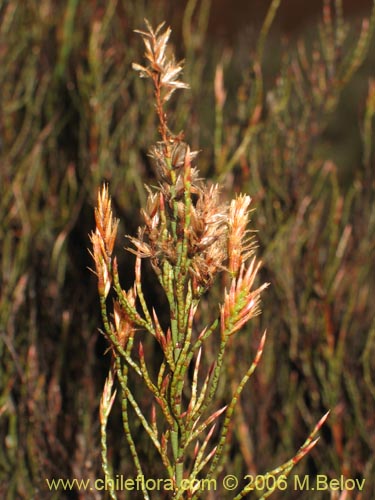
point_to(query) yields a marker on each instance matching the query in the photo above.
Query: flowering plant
(189, 236)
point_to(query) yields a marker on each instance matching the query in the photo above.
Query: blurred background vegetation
(290, 122)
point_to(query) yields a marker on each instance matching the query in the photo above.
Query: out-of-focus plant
(189, 235)
(316, 239)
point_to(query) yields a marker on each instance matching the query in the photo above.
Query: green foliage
(295, 134)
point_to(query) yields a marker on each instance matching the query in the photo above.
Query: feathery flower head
(103, 240)
(162, 67)
(240, 246)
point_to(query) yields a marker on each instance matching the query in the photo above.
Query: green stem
(123, 378)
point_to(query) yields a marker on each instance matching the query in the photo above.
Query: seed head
(103, 240)
(241, 303)
(240, 246)
(161, 67)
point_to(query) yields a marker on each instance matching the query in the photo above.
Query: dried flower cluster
(103, 240)
(189, 235)
(186, 212)
(160, 67)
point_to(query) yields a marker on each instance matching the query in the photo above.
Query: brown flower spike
(103, 240)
